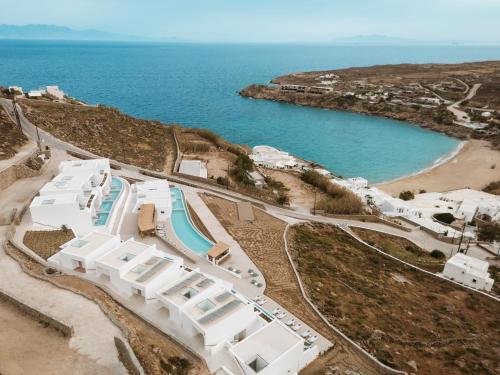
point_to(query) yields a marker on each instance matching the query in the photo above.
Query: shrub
(240, 175)
(195, 147)
(437, 254)
(222, 181)
(406, 195)
(445, 217)
(489, 232)
(282, 198)
(244, 162)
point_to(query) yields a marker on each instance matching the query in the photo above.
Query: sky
(267, 20)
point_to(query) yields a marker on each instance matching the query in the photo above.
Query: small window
(473, 280)
(162, 211)
(189, 293)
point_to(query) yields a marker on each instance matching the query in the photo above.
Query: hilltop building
(270, 157)
(468, 271)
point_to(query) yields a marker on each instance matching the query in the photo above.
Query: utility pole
(461, 238)
(314, 208)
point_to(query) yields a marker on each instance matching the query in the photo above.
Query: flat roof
(189, 286)
(269, 343)
(192, 167)
(146, 271)
(216, 306)
(146, 221)
(122, 254)
(54, 199)
(87, 244)
(67, 181)
(218, 249)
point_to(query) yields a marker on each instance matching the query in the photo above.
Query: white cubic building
(273, 349)
(270, 157)
(55, 92)
(207, 306)
(137, 268)
(100, 169)
(81, 253)
(468, 271)
(193, 168)
(155, 192)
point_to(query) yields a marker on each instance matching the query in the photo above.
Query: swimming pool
(108, 202)
(185, 230)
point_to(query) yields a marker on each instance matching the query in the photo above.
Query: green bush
(244, 162)
(445, 217)
(406, 195)
(437, 254)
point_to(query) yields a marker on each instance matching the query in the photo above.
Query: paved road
(462, 117)
(421, 238)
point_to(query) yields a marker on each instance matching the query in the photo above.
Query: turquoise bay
(196, 85)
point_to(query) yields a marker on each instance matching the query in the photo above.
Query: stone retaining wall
(58, 325)
(126, 357)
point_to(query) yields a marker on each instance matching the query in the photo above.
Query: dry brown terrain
(301, 194)
(263, 242)
(28, 347)
(406, 84)
(157, 353)
(401, 248)
(11, 138)
(47, 242)
(106, 132)
(408, 319)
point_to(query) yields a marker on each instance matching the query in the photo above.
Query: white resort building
(194, 168)
(270, 157)
(82, 196)
(468, 271)
(155, 192)
(137, 268)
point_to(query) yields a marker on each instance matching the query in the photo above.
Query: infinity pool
(184, 229)
(103, 212)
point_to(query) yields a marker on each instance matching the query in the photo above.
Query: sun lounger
(312, 339)
(262, 301)
(290, 322)
(297, 326)
(280, 315)
(276, 310)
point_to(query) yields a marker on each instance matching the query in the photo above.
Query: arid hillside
(11, 138)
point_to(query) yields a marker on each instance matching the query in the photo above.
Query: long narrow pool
(184, 229)
(108, 203)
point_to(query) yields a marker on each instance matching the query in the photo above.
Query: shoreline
(473, 165)
(437, 163)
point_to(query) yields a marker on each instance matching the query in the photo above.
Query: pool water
(108, 202)
(102, 218)
(184, 229)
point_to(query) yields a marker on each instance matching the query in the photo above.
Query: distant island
(52, 32)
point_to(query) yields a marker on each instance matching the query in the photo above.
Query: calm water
(196, 85)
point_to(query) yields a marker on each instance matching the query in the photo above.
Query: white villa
(137, 268)
(81, 253)
(270, 157)
(194, 168)
(272, 349)
(468, 271)
(55, 92)
(74, 197)
(155, 192)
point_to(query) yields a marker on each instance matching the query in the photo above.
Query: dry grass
(401, 248)
(262, 240)
(11, 138)
(106, 132)
(46, 243)
(397, 313)
(157, 353)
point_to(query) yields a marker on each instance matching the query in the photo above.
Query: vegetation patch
(339, 200)
(493, 188)
(403, 249)
(106, 132)
(46, 243)
(11, 137)
(401, 315)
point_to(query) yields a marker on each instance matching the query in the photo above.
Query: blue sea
(196, 85)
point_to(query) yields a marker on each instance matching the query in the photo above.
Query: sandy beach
(474, 166)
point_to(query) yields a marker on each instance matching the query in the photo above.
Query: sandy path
(28, 347)
(472, 167)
